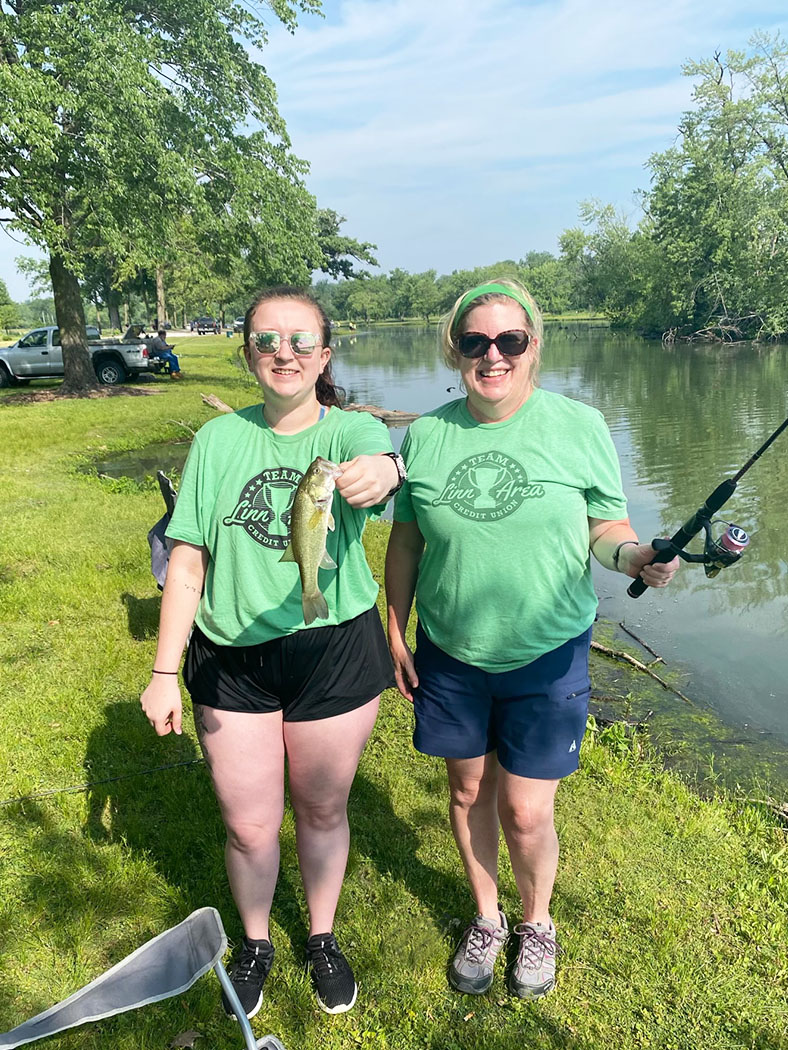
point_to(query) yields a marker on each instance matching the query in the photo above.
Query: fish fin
(314, 606)
(315, 519)
(327, 562)
(288, 554)
(331, 522)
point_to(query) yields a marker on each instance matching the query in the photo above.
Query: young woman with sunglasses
(265, 685)
(508, 490)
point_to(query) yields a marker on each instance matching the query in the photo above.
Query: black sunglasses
(510, 344)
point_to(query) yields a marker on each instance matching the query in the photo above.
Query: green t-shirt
(506, 576)
(235, 498)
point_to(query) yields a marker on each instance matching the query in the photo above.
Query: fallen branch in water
(392, 417)
(617, 654)
(180, 423)
(646, 646)
(780, 808)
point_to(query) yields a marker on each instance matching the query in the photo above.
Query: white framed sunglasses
(269, 342)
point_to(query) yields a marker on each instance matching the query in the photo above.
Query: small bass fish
(310, 521)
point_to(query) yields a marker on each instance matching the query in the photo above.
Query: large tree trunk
(112, 298)
(80, 376)
(161, 306)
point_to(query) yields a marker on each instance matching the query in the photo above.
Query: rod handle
(638, 587)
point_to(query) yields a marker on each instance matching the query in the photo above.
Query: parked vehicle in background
(38, 355)
(204, 325)
(238, 324)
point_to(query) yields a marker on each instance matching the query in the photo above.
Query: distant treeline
(555, 283)
(706, 258)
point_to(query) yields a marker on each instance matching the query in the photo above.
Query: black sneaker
(248, 976)
(331, 975)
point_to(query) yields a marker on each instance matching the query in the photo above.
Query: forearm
(179, 601)
(606, 537)
(402, 568)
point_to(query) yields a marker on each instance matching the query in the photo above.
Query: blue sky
(454, 133)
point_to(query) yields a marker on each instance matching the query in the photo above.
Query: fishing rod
(719, 552)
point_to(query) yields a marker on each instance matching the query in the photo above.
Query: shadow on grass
(393, 846)
(143, 616)
(167, 815)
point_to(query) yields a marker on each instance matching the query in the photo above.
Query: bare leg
(525, 807)
(473, 811)
(245, 754)
(322, 758)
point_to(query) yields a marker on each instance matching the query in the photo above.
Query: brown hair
(326, 390)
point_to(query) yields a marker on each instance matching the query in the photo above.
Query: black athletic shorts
(314, 673)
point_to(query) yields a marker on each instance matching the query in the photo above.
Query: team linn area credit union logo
(265, 506)
(488, 487)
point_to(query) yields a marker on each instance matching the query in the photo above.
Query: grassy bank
(670, 908)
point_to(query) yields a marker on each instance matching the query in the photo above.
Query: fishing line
(96, 783)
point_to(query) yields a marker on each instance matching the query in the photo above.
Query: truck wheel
(109, 371)
(5, 378)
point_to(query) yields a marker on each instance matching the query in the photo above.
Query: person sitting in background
(160, 348)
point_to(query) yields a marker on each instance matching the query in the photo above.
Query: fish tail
(315, 607)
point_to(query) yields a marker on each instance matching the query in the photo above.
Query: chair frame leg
(238, 1010)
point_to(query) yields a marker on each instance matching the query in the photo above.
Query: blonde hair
(452, 321)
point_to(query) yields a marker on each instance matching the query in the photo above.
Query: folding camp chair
(163, 967)
(160, 545)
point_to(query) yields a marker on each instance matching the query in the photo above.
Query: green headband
(491, 289)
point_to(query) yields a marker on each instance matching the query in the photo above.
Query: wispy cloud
(457, 132)
(408, 111)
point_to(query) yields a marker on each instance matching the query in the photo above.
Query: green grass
(671, 908)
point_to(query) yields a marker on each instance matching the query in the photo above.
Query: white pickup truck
(38, 355)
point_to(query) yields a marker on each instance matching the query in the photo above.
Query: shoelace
(479, 940)
(249, 960)
(534, 945)
(326, 960)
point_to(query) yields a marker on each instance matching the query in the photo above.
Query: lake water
(683, 419)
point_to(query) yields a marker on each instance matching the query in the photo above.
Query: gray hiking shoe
(534, 972)
(471, 968)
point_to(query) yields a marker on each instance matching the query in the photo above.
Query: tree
(338, 251)
(122, 117)
(719, 199)
(425, 296)
(9, 311)
(710, 255)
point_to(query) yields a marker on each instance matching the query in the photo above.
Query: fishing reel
(718, 551)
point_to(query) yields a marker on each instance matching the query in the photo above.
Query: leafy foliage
(710, 256)
(122, 116)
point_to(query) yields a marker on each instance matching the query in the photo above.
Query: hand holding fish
(367, 480)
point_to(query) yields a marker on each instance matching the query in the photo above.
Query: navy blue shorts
(534, 716)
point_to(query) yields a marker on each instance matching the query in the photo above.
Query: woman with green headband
(509, 491)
